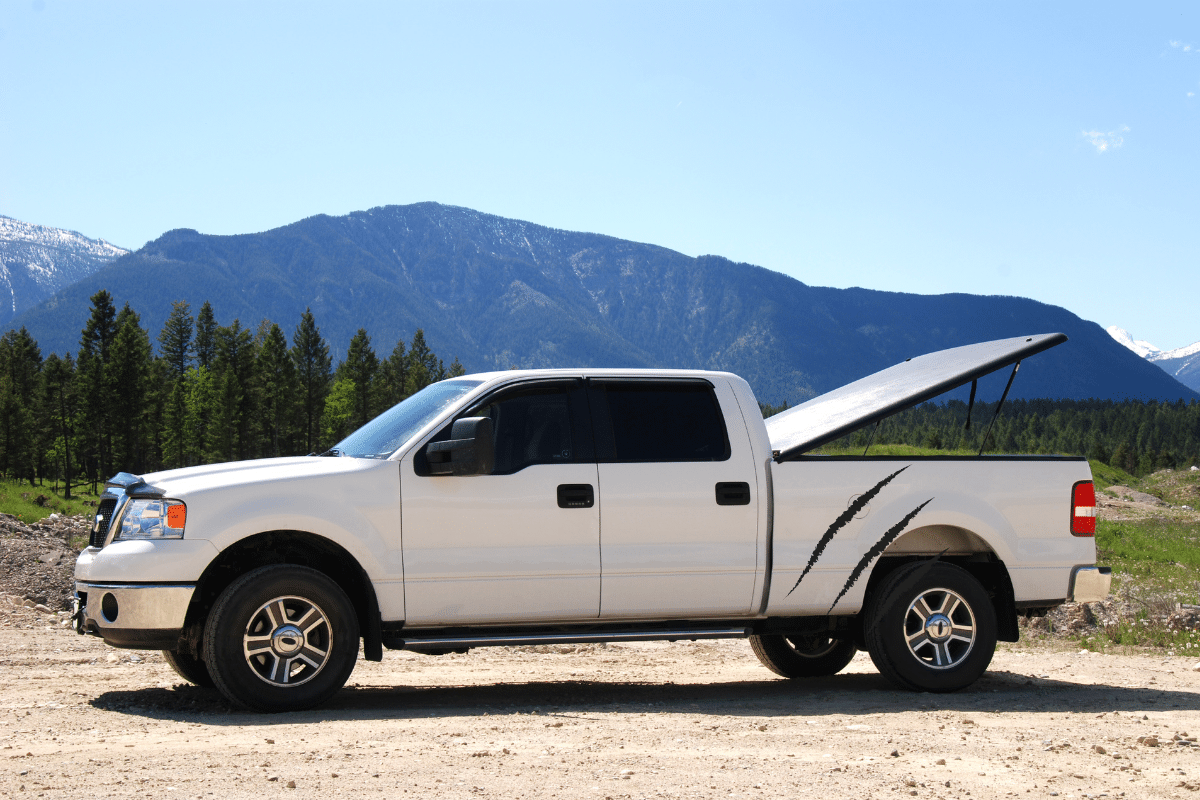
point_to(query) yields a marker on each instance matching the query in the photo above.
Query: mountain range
(498, 292)
(1182, 363)
(36, 261)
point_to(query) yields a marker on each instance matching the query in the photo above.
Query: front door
(521, 544)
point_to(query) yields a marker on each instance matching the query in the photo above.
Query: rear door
(678, 499)
(521, 544)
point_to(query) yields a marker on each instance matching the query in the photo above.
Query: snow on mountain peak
(1139, 346)
(36, 261)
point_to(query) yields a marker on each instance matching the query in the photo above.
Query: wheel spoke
(921, 609)
(300, 622)
(257, 644)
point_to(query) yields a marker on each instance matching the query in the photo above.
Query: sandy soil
(623, 721)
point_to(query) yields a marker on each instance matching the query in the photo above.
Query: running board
(445, 644)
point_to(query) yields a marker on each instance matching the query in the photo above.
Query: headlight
(153, 519)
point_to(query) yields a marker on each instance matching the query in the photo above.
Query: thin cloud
(1104, 141)
(1178, 45)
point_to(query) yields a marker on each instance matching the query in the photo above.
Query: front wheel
(188, 667)
(281, 638)
(803, 656)
(930, 627)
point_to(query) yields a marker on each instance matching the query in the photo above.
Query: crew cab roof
(855, 405)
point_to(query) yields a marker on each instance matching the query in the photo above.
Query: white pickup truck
(596, 505)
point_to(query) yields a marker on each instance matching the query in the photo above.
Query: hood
(870, 399)
(179, 483)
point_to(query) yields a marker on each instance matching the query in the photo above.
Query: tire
(188, 667)
(930, 627)
(281, 638)
(804, 656)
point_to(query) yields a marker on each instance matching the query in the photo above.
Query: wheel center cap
(287, 640)
(938, 627)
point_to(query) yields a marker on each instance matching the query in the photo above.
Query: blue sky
(1043, 150)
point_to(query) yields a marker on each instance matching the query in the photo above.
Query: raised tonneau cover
(870, 399)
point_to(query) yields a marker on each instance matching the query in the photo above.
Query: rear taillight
(1083, 509)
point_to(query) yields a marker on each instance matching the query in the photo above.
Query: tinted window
(532, 426)
(676, 421)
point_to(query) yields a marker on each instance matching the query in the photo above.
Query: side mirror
(469, 450)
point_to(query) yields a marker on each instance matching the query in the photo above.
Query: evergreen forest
(1137, 436)
(212, 393)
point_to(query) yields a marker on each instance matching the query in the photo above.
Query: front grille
(103, 517)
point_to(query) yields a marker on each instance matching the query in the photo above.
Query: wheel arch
(286, 547)
(963, 548)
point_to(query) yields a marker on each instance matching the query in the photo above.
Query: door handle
(576, 495)
(733, 494)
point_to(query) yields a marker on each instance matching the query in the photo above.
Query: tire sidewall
(188, 667)
(782, 658)
(885, 637)
(223, 639)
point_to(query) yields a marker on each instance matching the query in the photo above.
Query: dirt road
(628, 721)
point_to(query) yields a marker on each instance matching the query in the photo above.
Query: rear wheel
(281, 638)
(930, 627)
(803, 656)
(188, 667)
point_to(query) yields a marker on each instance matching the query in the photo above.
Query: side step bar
(448, 644)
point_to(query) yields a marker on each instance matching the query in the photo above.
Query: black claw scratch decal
(877, 550)
(850, 513)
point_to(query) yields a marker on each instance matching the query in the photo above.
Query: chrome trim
(114, 524)
(140, 606)
(1089, 584)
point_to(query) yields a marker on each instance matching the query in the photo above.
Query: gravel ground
(37, 561)
(623, 721)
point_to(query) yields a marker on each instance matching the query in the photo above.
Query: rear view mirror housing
(470, 450)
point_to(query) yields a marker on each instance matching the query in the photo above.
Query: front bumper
(1089, 584)
(139, 616)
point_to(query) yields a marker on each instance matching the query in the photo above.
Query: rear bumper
(1089, 584)
(141, 616)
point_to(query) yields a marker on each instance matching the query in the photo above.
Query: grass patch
(21, 500)
(1156, 565)
(1105, 476)
(891, 450)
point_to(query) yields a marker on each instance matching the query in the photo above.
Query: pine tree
(206, 336)
(424, 367)
(278, 389)
(197, 438)
(393, 374)
(95, 388)
(60, 403)
(129, 370)
(360, 368)
(233, 371)
(20, 375)
(175, 340)
(338, 413)
(310, 354)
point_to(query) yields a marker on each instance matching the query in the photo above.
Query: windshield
(383, 435)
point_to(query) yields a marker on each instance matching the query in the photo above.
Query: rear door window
(641, 421)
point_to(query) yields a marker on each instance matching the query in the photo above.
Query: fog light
(108, 608)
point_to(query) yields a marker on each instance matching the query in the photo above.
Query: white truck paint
(283, 565)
